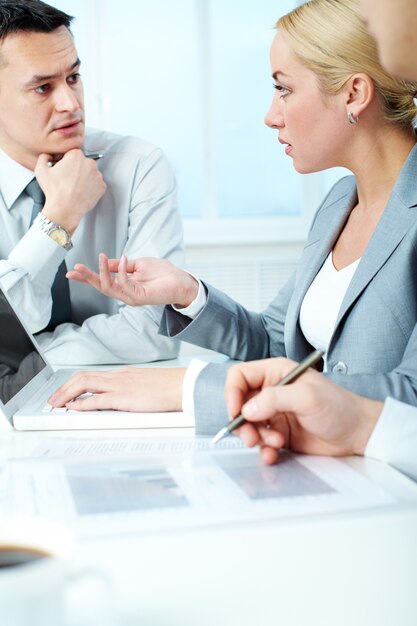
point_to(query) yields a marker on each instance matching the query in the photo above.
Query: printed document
(106, 486)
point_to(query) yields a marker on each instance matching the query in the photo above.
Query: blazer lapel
(330, 221)
(399, 216)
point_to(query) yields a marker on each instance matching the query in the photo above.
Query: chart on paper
(169, 485)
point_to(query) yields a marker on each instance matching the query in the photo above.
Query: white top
(137, 216)
(321, 304)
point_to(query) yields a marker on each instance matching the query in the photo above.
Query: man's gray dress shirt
(137, 216)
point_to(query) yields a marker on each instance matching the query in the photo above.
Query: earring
(352, 119)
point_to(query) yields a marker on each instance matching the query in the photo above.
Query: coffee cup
(35, 576)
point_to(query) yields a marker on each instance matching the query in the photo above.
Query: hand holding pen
(310, 360)
(312, 415)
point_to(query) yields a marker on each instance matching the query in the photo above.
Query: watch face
(59, 236)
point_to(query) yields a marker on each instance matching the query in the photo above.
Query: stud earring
(352, 119)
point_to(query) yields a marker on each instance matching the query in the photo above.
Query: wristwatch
(56, 232)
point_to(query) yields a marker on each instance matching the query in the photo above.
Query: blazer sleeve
(227, 327)
(209, 406)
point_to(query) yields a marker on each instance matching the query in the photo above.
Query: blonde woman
(314, 415)
(354, 294)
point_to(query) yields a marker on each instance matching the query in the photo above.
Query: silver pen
(310, 360)
(95, 155)
(92, 155)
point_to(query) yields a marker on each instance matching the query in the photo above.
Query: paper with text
(123, 485)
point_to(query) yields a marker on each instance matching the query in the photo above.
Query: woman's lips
(288, 146)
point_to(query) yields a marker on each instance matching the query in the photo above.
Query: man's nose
(66, 99)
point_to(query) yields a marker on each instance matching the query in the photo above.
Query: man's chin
(61, 148)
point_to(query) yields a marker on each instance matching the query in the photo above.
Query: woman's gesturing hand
(141, 281)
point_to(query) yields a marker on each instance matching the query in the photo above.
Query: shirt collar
(13, 179)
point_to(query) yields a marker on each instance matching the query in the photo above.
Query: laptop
(27, 380)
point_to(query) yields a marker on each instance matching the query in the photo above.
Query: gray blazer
(373, 350)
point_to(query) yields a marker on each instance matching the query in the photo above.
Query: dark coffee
(14, 556)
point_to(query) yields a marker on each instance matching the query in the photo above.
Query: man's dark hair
(30, 16)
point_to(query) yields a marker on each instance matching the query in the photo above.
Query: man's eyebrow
(40, 78)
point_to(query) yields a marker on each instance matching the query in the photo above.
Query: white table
(355, 569)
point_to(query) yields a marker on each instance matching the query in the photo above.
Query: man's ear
(360, 92)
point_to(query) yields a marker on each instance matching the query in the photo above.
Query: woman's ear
(360, 91)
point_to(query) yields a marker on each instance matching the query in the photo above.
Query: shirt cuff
(38, 255)
(197, 305)
(394, 437)
(193, 371)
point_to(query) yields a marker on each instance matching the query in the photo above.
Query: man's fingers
(248, 433)
(243, 380)
(271, 437)
(272, 400)
(249, 376)
(261, 406)
(235, 397)
(269, 455)
(43, 161)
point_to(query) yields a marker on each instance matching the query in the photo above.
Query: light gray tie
(61, 303)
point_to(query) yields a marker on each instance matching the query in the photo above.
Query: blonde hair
(330, 38)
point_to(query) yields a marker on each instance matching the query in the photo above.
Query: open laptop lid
(23, 367)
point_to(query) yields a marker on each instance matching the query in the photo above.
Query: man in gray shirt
(123, 202)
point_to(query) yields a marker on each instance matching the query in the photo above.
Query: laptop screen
(19, 359)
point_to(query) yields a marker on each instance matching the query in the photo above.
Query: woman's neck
(379, 162)
(381, 158)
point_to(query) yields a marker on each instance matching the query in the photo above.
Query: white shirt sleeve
(193, 371)
(197, 305)
(28, 273)
(394, 439)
